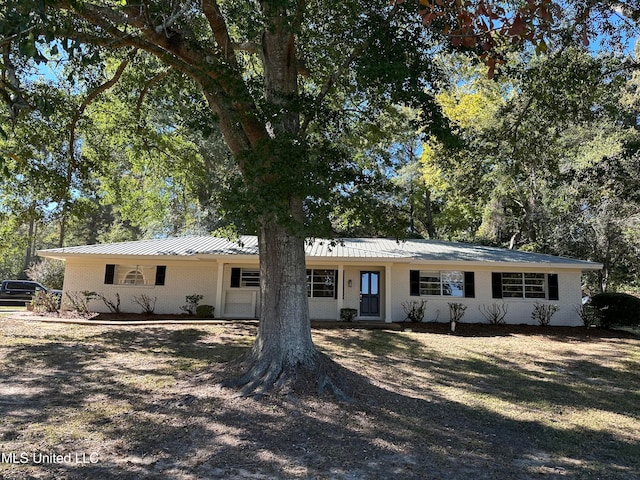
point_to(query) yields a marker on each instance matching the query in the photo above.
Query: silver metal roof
(419, 251)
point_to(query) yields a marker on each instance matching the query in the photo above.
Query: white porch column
(219, 284)
(387, 294)
(340, 287)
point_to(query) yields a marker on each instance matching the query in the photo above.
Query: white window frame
(249, 277)
(311, 282)
(140, 274)
(134, 276)
(433, 283)
(529, 286)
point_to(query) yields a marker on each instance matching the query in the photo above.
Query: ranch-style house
(375, 276)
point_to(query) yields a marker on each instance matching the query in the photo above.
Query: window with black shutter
(496, 285)
(552, 285)
(235, 277)
(414, 283)
(161, 273)
(469, 285)
(109, 274)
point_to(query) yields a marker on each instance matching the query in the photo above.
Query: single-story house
(373, 275)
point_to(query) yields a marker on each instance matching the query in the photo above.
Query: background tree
(550, 157)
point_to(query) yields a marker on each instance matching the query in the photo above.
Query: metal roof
(173, 246)
(420, 251)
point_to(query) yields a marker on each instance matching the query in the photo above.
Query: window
(524, 285)
(442, 283)
(445, 283)
(250, 278)
(134, 275)
(245, 277)
(321, 283)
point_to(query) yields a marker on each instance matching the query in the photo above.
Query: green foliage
(616, 309)
(205, 311)
(192, 304)
(348, 314)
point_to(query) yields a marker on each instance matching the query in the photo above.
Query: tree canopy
(298, 92)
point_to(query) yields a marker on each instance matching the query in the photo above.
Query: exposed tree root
(318, 377)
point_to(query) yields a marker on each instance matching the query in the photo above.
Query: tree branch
(171, 20)
(340, 71)
(249, 47)
(10, 90)
(147, 86)
(90, 98)
(212, 12)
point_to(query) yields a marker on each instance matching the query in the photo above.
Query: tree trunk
(284, 340)
(30, 245)
(431, 229)
(283, 357)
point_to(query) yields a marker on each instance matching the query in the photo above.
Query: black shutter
(235, 277)
(109, 274)
(335, 284)
(469, 284)
(496, 285)
(552, 282)
(414, 283)
(161, 273)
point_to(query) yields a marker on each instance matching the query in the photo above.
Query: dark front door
(370, 294)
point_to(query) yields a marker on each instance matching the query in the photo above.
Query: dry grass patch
(494, 403)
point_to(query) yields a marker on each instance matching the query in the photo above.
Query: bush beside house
(616, 309)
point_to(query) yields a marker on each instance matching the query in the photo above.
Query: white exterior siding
(518, 309)
(182, 278)
(206, 265)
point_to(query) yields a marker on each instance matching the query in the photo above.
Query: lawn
(132, 402)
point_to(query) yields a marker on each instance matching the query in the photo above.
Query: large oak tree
(283, 79)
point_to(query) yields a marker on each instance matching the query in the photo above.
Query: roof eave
(584, 266)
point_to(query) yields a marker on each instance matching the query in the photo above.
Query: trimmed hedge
(616, 309)
(205, 311)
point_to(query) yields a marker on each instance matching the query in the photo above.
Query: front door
(370, 294)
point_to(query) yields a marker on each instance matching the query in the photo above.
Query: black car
(19, 292)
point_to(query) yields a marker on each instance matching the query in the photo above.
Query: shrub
(45, 302)
(113, 306)
(205, 311)
(192, 303)
(456, 311)
(616, 309)
(588, 314)
(542, 313)
(348, 314)
(415, 310)
(79, 301)
(147, 303)
(495, 314)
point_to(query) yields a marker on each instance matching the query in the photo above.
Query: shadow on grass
(192, 429)
(464, 329)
